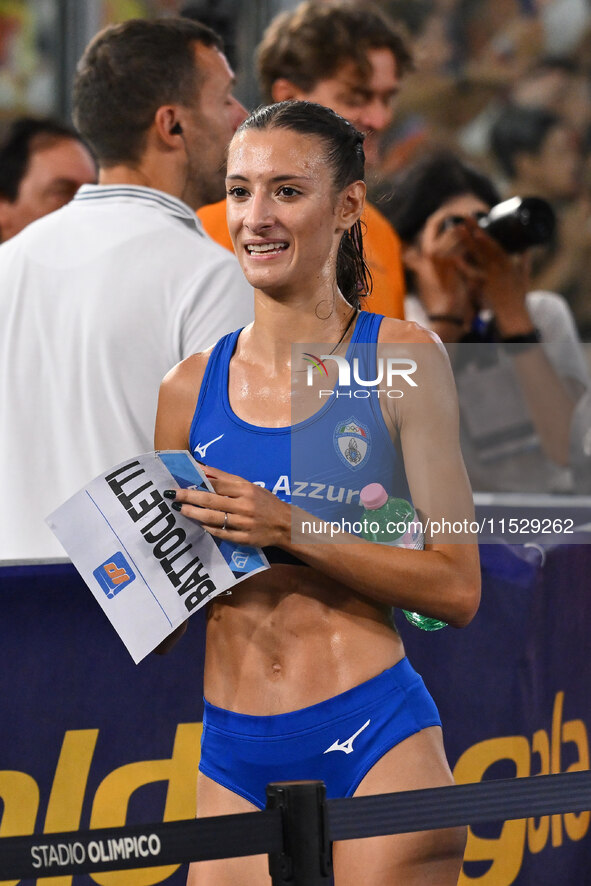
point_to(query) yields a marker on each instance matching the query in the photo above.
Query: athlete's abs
(289, 638)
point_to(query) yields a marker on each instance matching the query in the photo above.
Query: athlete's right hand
(238, 511)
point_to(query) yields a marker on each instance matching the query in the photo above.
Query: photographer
(540, 152)
(517, 397)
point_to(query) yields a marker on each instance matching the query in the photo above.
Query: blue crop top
(320, 464)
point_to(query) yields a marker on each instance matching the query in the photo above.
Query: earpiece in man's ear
(177, 129)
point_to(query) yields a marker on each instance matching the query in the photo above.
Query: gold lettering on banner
(114, 792)
(543, 757)
(505, 851)
(537, 834)
(20, 797)
(68, 789)
(544, 754)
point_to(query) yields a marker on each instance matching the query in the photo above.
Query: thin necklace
(341, 339)
(347, 328)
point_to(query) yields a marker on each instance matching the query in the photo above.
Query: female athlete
(305, 673)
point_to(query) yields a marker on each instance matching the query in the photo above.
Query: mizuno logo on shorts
(347, 745)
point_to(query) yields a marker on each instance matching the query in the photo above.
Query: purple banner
(513, 689)
(88, 739)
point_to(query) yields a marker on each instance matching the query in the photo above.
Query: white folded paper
(148, 566)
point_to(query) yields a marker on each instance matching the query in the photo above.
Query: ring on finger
(225, 523)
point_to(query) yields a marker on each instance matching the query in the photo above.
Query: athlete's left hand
(238, 511)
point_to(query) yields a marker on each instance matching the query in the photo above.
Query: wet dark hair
(520, 130)
(24, 137)
(429, 183)
(126, 73)
(346, 158)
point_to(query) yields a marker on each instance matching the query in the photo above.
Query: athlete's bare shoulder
(406, 331)
(189, 372)
(429, 377)
(177, 400)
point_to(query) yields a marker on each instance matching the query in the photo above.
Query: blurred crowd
(507, 85)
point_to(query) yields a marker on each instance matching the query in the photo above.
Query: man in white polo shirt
(101, 298)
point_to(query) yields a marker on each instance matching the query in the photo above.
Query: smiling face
(284, 215)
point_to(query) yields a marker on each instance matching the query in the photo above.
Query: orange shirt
(382, 252)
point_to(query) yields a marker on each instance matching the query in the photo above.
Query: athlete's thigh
(427, 858)
(252, 870)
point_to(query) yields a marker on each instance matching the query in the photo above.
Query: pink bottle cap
(373, 496)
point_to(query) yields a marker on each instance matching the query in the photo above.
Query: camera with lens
(520, 222)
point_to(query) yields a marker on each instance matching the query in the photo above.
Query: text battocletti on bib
(148, 566)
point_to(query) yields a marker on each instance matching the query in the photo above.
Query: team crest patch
(352, 442)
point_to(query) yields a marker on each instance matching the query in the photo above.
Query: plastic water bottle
(381, 510)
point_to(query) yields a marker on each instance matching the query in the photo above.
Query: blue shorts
(336, 741)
